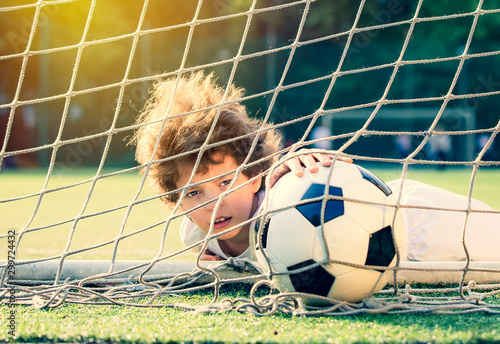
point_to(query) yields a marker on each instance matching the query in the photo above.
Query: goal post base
(46, 272)
(442, 272)
(123, 271)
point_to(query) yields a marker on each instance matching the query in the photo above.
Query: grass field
(112, 195)
(113, 324)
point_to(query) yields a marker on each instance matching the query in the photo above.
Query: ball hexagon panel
(356, 285)
(287, 229)
(371, 217)
(282, 282)
(319, 247)
(343, 174)
(288, 190)
(346, 242)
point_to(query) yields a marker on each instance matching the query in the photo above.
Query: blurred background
(93, 72)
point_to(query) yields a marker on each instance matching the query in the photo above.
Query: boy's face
(235, 208)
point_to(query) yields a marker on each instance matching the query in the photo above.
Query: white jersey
(437, 235)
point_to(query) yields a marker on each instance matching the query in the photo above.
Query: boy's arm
(308, 160)
(210, 256)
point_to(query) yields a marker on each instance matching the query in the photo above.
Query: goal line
(48, 272)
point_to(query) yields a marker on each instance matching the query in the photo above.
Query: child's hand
(307, 159)
(210, 256)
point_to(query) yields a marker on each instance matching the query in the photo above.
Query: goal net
(407, 89)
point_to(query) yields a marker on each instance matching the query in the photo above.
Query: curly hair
(182, 112)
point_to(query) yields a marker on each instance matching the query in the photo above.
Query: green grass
(79, 323)
(112, 194)
(114, 324)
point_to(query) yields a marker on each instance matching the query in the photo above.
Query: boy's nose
(213, 199)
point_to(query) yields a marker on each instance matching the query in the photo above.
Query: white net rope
(48, 278)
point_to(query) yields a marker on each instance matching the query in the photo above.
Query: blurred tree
(328, 23)
(216, 39)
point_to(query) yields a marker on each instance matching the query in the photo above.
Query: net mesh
(77, 95)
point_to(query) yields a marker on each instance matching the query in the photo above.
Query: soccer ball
(356, 229)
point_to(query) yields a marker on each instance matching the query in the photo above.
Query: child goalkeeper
(212, 160)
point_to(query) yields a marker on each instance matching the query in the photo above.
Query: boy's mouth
(221, 222)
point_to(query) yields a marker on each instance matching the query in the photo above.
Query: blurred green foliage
(309, 39)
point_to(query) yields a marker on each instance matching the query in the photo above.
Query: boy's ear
(256, 184)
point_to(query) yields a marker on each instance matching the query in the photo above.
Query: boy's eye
(192, 193)
(226, 182)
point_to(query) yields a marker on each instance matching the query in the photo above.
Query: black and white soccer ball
(357, 227)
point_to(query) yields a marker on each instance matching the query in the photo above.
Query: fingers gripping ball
(356, 228)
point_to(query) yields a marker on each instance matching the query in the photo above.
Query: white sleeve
(436, 235)
(191, 234)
